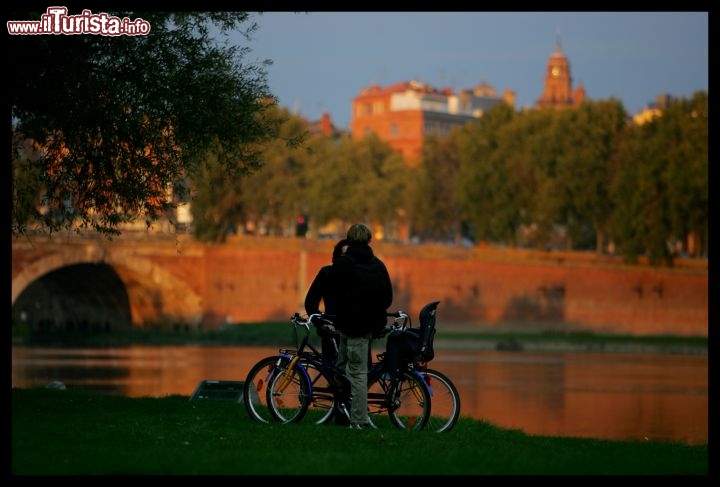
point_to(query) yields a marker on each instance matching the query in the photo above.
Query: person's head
(339, 249)
(359, 233)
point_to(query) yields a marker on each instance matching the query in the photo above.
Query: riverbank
(595, 346)
(281, 334)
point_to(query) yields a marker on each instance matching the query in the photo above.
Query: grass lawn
(70, 432)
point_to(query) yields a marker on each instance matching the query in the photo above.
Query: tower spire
(557, 40)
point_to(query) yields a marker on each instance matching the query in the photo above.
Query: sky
(322, 60)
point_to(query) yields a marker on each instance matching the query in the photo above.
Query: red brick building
(403, 114)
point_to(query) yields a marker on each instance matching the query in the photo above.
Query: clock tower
(558, 92)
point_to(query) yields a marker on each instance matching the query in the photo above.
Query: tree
(487, 187)
(529, 150)
(116, 121)
(435, 213)
(222, 204)
(273, 197)
(685, 126)
(216, 207)
(660, 187)
(589, 135)
(340, 179)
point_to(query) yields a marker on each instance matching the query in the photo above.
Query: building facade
(405, 113)
(652, 110)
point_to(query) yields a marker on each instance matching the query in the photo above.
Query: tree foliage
(436, 211)
(487, 193)
(660, 185)
(115, 122)
(586, 174)
(328, 179)
(587, 145)
(582, 178)
(272, 198)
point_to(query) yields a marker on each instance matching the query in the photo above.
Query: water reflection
(598, 395)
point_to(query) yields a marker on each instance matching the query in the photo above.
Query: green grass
(72, 432)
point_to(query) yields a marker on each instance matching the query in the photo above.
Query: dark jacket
(321, 289)
(364, 291)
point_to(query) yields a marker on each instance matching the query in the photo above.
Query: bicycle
(445, 396)
(445, 409)
(284, 387)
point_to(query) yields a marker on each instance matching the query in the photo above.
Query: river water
(637, 396)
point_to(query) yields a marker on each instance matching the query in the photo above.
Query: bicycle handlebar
(305, 322)
(400, 322)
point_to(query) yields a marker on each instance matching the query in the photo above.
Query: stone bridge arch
(157, 297)
(99, 287)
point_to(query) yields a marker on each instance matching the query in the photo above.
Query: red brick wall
(556, 296)
(265, 279)
(260, 284)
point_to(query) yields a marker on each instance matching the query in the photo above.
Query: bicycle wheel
(288, 393)
(412, 409)
(264, 405)
(322, 405)
(255, 388)
(445, 401)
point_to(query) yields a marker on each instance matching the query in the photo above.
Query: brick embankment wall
(478, 290)
(481, 289)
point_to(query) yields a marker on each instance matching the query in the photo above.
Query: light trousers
(353, 358)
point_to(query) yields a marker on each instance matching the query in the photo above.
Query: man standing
(364, 295)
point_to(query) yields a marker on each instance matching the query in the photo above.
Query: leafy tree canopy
(103, 126)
